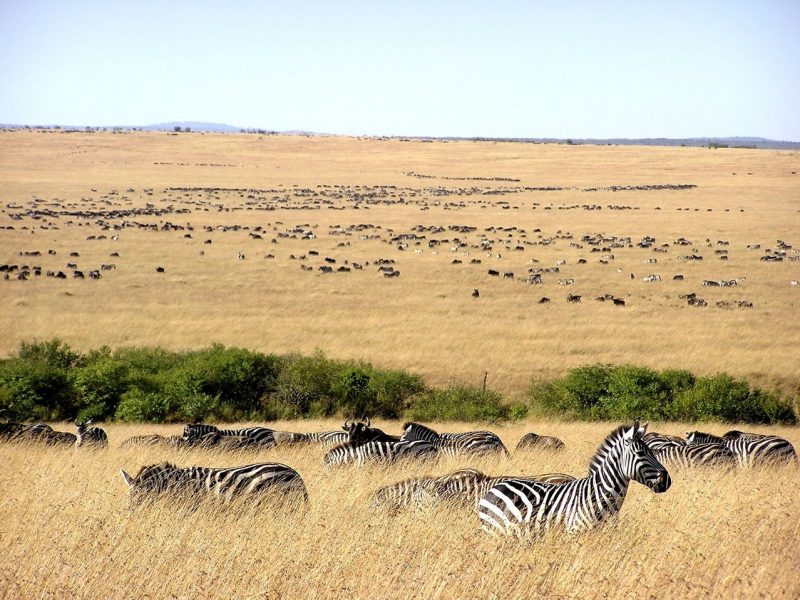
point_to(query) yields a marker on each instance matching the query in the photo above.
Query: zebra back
(696, 455)
(386, 452)
(763, 450)
(252, 481)
(175, 441)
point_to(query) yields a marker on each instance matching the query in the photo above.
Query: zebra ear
(128, 479)
(643, 428)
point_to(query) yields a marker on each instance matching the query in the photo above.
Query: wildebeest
(531, 441)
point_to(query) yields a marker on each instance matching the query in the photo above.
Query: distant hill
(193, 125)
(700, 142)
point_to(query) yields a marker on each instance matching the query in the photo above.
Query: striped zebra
(90, 436)
(453, 444)
(465, 487)
(519, 506)
(532, 441)
(695, 455)
(252, 481)
(381, 452)
(326, 439)
(751, 449)
(172, 441)
(261, 436)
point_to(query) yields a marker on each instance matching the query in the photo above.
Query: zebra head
(151, 479)
(638, 462)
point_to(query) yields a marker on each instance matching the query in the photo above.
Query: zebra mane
(612, 439)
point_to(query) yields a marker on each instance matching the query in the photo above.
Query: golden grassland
(65, 531)
(426, 320)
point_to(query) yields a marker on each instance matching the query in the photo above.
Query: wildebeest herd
(512, 504)
(506, 250)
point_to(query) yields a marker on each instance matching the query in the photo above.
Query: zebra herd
(509, 504)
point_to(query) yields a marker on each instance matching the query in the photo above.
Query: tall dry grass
(65, 532)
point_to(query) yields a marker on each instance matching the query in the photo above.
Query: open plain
(241, 225)
(292, 243)
(65, 531)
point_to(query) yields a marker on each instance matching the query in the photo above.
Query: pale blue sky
(512, 69)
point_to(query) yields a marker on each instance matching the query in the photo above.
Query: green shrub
(393, 392)
(458, 403)
(99, 385)
(53, 353)
(137, 406)
(35, 390)
(634, 392)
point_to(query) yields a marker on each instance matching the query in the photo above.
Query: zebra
(226, 483)
(386, 452)
(695, 455)
(327, 439)
(90, 436)
(174, 441)
(452, 444)
(261, 436)
(468, 486)
(464, 487)
(534, 440)
(520, 506)
(751, 449)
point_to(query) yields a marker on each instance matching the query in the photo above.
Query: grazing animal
(359, 432)
(453, 444)
(476, 294)
(263, 437)
(532, 441)
(172, 441)
(90, 436)
(385, 452)
(544, 300)
(251, 481)
(751, 449)
(696, 455)
(522, 507)
(465, 487)
(573, 298)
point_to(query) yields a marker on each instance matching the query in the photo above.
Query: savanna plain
(202, 238)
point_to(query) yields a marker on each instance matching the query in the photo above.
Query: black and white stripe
(521, 507)
(463, 487)
(194, 433)
(696, 455)
(90, 436)
(381, 452)
(256, 481)
(452, 444)
(659, 441)
(152, 440)
(751, 449)
(326, 439)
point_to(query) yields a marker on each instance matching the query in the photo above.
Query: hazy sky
(516, 69)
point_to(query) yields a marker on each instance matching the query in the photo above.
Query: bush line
(50, 381)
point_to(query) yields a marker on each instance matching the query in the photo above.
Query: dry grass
(65, 532)
(425, 320)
